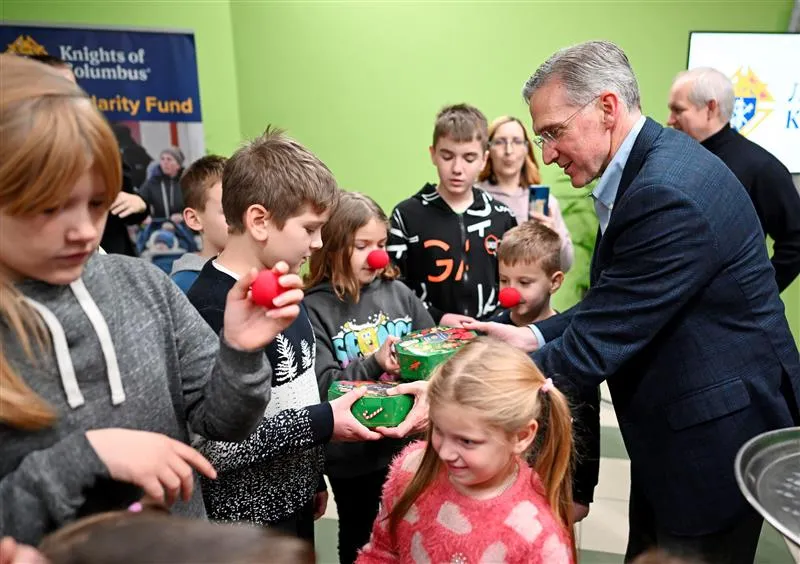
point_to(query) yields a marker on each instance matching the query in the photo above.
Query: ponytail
(553, 456)
(428, 469)
(21, 407)
(503, 385)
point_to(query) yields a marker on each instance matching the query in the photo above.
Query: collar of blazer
(647, 136)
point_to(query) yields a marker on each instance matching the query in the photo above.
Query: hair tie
(547, 386)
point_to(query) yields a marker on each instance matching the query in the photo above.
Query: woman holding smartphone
(510, 169)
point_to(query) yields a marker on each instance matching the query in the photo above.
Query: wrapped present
(422, 351)
(375, 408)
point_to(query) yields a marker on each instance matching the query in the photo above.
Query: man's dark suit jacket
(770, 187)
(684, 321)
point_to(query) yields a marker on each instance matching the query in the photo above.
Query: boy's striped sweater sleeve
(289, 432)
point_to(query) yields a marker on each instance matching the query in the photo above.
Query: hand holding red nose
(509, 297)
(266, 288)
(378, 259)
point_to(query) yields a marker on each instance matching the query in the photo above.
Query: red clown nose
(266, 288)
(378, 259)
(509, 297)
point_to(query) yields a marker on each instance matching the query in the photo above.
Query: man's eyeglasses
(515, 142)
(554, 133)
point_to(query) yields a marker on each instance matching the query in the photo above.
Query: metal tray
(768, 472)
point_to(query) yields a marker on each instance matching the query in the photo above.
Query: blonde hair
(124, 537)
(332, 262)
(504, 385)
(278, 173)
(530, 170)
(51, 134)
(531, 242)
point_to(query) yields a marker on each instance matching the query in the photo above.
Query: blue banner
(130, 75)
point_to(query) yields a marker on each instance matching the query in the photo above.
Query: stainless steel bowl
(768, 472)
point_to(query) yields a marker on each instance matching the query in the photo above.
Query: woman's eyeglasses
(502, 143)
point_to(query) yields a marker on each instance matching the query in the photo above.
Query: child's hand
(386, 357)
(345, 426)
(320, 504)
(249, 327)
(161, 466)
(579, 511)
(13, 553)
(417, 419)
(455, 320)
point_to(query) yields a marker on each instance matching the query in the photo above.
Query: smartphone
(538, 197)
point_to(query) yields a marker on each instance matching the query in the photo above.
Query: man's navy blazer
(684, 321)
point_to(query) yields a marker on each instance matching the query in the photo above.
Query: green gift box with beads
(418, 353)
(374, 408)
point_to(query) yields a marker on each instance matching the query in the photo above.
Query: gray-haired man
(682, 317)
(701, 103)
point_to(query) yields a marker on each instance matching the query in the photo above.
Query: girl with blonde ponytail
(105, 366)
(466, 494)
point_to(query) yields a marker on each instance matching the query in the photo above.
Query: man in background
(701, 104)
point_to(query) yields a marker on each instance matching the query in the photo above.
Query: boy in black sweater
(444, 238)
(529, 258)
(276, 197)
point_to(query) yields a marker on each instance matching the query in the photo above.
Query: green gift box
(374, 408)
(422, 351)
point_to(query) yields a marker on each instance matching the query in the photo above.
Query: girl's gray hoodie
(126, 350)
(347, 335)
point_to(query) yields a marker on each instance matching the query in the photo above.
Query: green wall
(360, 82)
(211, 23)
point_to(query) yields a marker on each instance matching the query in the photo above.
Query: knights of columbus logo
(26, 45)
(753, 101)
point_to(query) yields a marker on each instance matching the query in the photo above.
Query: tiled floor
(603, 534)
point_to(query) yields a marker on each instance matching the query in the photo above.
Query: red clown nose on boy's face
(509, 297)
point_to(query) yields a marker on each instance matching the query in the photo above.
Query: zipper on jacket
(465, 273)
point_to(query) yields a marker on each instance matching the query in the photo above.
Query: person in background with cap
(164, 199)
(162, 192)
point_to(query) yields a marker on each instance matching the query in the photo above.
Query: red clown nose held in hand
(509, 297)
(378, 259)
(266, 288)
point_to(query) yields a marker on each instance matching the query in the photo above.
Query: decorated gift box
(422, 351)
(375, 408)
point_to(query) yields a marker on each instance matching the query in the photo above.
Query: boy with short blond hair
(444, 238)
(276, 196)
(530, 262)
(201, 187)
